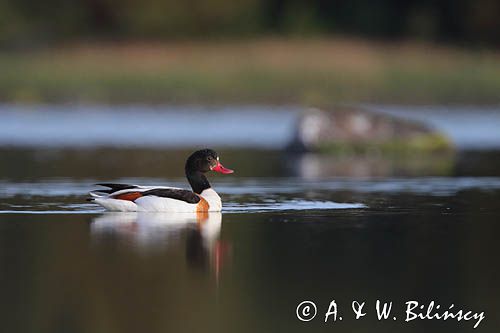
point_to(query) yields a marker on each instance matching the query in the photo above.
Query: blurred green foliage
(249, 51)
(308, 71)
(34, 23)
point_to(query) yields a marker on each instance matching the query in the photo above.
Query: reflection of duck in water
(131, 198)
(153, 231)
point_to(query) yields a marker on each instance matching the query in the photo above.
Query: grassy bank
(259, 71)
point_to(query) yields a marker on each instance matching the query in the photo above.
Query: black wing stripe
(177, 194)
(115, 187)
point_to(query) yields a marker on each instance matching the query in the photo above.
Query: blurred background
(364, 135)
(251, 51)
(29, 23)
(285, 75)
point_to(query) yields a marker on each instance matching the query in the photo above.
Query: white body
(151, 203)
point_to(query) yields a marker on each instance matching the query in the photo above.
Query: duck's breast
(213, 200)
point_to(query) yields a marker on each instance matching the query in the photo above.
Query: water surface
(293, 228)
(69, 266)
(256, 126)
(146, 126)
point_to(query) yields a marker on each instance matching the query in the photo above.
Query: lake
(294, 228)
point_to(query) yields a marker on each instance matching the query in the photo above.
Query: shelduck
(202, 198)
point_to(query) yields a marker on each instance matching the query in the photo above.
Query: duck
(202, 198)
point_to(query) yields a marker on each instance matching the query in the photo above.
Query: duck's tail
(96, 195)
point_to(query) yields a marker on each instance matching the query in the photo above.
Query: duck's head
(205, 160)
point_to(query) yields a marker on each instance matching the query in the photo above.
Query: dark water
(293, 229)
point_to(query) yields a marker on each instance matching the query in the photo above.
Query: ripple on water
(229, 207)
(244, 196)
(66, 197)
(289, 205)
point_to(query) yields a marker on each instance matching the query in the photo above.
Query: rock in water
(360, 130)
